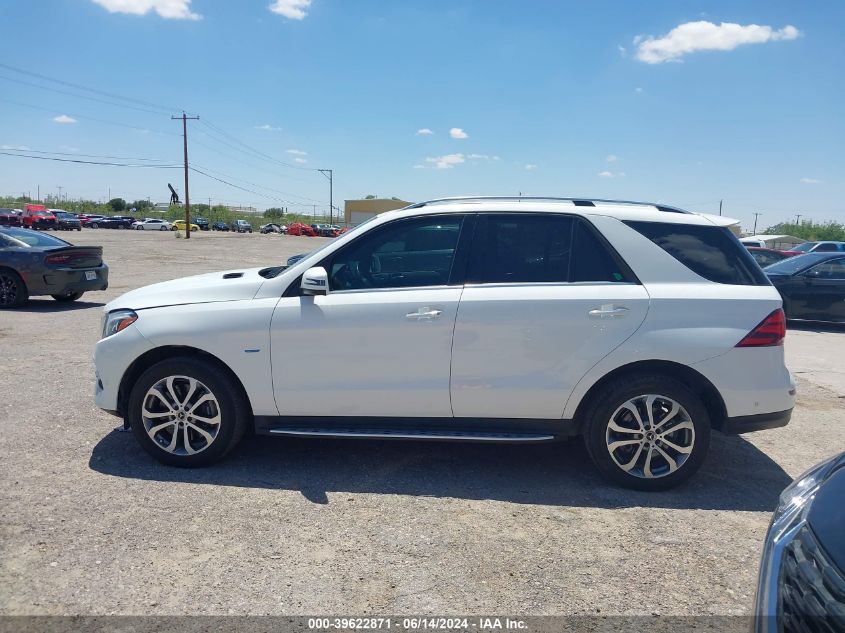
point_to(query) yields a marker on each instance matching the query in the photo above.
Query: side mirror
(315, 281)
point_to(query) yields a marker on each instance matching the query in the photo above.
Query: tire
(163, 228)
(139, 228)
(121, 226)
(68, 298)
(227, 406)
(13, 292)
(646, 461)
(95, 225)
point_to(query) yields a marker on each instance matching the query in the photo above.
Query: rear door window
(712, 252)
(541, 248)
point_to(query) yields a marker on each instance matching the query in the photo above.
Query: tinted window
(520, 248)
(764, 258)
(710, 251)
(36, 238)
(402, 254)
(834, 269)
(804, 248)
(525, 248)
(795, 264)
(825, 247)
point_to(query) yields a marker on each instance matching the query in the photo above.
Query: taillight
(770, 332)
(57, 259)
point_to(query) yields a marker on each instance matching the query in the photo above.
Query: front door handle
(608, 312)
(424, 314)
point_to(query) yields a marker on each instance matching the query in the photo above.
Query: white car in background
(152, 224)
(639, 327)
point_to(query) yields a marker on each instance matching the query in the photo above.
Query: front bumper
(112, 358)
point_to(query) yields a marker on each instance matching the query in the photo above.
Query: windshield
(805, 247)
(795, 264)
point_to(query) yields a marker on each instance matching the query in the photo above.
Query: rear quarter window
(712, 252)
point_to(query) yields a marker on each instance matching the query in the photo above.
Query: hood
(230, 285)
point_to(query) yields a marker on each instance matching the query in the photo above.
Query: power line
(91, 162)
(112, 95)
(35, 151)
(253, 150)
(257, 193)
(284, 193)
(70, 94)
(89, 118)
(252, 165)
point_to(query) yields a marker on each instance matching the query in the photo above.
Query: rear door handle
(424, 314)
(608, 312)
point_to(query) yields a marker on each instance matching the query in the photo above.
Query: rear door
(819, 293)
(546, 298)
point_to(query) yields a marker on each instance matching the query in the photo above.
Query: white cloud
(612, 158)
(424, 131)
(299, 160)
(267, 127)
(457, 132)
(638, 90)
(810, 181)
(293, 9)
(496, 158)
(17, 147)
(63, 118)
(478, 157)
(419, 166)
(168, 9)
(530, 167)
(611, 174)
(297, 152)
(621, 49)
(446, 162)
(706, 36)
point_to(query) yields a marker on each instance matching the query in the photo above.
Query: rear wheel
(67, 297)
(13, 292)
(648, 433)
(95, 225)
(187, 412)
(163, 228)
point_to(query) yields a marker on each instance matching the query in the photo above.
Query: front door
(544, 301)
(379, 344)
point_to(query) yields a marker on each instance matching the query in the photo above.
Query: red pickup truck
(37, 216)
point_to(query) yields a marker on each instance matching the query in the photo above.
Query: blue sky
(605, 99)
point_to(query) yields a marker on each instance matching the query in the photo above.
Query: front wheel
(648, 433)
(186, 412)
(94, 225)
(163, 228)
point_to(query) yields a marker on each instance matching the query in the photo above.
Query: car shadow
(816, 326)
(736, 476)
(51, 305)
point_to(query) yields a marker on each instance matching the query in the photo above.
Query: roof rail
(580, 202)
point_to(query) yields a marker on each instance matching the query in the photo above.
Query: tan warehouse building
(356, 211)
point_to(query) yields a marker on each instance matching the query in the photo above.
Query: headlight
(788, 519)
(117, 321)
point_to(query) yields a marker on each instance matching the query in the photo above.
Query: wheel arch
(158, 354)
(698, 383)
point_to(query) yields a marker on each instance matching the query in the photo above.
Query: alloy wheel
(650, 436)
(181, 415)
(8, 289)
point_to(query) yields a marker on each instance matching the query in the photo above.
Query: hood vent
(232, 275)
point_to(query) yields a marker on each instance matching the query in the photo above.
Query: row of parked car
(39, 217)
(309, 230)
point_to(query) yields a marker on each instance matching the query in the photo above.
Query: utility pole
(755, 223)
(328, 174)
(39, 193)
(185, 119)
(720, 207)
(60, 192)
(798, 219)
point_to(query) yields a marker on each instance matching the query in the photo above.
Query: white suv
(639, 327)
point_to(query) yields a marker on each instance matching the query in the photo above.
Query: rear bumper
(58, 281)
(759, 422)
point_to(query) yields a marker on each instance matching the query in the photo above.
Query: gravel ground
(90, 525)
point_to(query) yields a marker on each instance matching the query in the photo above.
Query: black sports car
(34, 263)
(812, 286)
(117, 222)
(219, 226)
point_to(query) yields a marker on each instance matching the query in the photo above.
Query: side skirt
(443, 429)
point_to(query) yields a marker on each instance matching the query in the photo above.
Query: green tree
(810, 231)
(274, 213)
(141, 205)
(370, 197)
(117, 204)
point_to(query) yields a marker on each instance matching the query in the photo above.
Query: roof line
(660, 207)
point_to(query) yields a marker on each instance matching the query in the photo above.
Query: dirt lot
(90, 525)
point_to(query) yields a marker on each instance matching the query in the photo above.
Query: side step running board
(386, 434)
